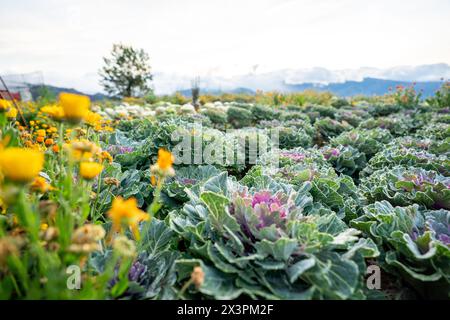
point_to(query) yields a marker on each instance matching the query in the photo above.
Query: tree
(127, 72)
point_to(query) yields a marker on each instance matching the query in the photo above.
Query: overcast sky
(66, 39)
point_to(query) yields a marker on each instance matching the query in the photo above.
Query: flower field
(134, 199)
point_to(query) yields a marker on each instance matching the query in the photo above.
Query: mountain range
(344, 82)
(367, 87)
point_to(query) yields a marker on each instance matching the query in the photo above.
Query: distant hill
(368, 87)
(36, 91)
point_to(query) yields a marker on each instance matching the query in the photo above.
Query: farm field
(273, 196)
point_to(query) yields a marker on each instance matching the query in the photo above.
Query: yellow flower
(41, 185)
(92, 118)
(3, 206)
(165, 159)
(55, 112)
(12, 113)
(89, 170)
(75, 106)
(163, 166)
(5, 105)
(105, 155)
(21, 165)
(126, 212)
(41, 133)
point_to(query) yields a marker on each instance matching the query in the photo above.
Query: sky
(66, 39)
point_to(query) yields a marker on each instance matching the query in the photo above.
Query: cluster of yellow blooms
(7, 107)
(89, 156)
(74, 108)
(23, 165)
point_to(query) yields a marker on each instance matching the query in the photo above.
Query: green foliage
(405, 186)
(291, 137)
(217, 117)
(441, 99)
(239, 117)
(415, 244)
(258, 252)
(261, 112)
(328, 128)
(368, 142)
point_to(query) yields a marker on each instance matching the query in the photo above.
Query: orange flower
(125, 212)
(153, 180)
(104, 155)
(49, 142)
(165, 159)
(41, 185)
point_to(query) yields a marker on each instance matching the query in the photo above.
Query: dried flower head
(110, 181)
(197, 276)
(124, 247)
(85, 238)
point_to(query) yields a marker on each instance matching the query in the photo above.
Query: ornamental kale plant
(268, 243)
(394, 155)
(405, 186)
(414, 243)
(346, 160)
(368, 142)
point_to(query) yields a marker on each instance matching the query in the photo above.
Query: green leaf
(218, 209)
(281, 249)
(297, 269)
(418, 274)
(216, 284)
(157, 237)
(333, 276)
(366, 247)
